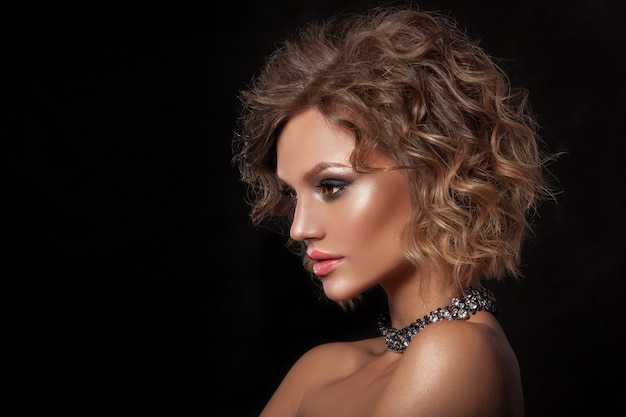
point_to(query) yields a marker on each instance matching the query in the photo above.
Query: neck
(418, 295)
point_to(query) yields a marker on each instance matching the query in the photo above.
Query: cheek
(379, 210)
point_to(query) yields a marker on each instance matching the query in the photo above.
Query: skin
(451, 368)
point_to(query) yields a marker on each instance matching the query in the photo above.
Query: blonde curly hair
(411, 84)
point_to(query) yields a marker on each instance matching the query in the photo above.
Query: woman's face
(351, 223)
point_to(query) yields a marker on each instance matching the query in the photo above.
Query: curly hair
(411, 84)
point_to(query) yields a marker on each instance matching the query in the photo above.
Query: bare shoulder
(332, 360)
(316, 367)
(458, 368)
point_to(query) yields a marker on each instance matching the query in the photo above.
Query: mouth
(324, 267)
(324, 263)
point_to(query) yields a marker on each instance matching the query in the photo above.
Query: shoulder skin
(456, 368)
(323, 363)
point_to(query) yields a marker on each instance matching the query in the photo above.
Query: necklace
(474, 299)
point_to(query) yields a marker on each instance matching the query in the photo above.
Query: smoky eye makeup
(287, 191)
(289, 194)
(328, 181)
(332, 187)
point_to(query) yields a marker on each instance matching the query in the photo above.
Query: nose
(306, 223)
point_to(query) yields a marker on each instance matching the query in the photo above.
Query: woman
(393, 149)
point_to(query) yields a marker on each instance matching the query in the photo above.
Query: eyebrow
(317, 168)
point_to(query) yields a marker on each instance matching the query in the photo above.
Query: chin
(341, 299)
(341, 294)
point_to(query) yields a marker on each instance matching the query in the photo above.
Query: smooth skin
(451, 368)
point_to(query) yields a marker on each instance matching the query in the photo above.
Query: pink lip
(317, 255)
(325, 262)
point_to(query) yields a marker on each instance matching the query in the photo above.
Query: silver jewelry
(474, 299)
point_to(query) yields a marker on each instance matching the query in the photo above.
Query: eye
(290, 194)
(332, 188)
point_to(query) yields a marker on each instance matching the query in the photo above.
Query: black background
(133, 280)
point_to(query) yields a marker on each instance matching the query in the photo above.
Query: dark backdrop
(135, 283)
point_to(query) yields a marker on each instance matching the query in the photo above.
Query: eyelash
(331, 185)
(329, 189)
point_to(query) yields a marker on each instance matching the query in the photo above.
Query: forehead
(309, 139)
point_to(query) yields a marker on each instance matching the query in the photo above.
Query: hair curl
(411, 84)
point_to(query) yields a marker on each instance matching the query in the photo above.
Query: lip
(325, 263)
(317, 255)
